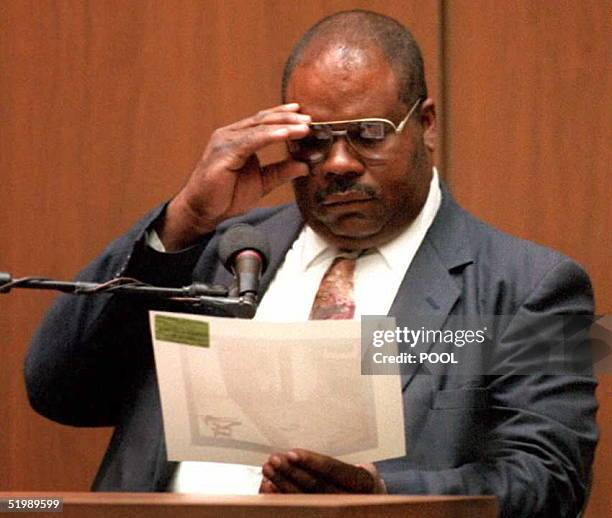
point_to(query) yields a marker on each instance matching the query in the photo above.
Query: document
(236, 390)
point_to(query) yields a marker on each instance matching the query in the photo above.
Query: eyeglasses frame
(398, 129)
(342, 133)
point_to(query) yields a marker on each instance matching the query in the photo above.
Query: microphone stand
(196, 295)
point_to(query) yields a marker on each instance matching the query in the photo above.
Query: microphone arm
(197, 295)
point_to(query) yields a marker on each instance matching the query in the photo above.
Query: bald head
(353, 39)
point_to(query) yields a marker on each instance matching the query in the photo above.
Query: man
(360, 129)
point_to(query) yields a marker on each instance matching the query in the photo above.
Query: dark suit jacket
(529, 439)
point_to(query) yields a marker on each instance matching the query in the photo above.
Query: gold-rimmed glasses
(371, 138)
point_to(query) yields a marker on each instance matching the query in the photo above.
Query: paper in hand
(237, 390)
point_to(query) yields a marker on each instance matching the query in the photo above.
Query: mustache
(342, 186)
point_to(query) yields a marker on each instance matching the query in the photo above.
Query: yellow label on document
(182, 331)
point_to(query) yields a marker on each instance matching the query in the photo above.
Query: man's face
(353, 202)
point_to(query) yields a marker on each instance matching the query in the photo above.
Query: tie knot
(350, 254)
(334, 299)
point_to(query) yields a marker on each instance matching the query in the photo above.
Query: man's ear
(428, 123)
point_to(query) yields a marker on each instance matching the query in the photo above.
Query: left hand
(303, 471)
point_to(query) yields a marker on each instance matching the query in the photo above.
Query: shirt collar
(398, 253)
(314, 249)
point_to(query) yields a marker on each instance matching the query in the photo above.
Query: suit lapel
(425, 297)
(429, 290)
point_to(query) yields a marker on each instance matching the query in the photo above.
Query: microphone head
(242, 237)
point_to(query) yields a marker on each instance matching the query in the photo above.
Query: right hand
(228, 180)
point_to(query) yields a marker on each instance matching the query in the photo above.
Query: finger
(268, 487)
(380, 486)
(284, 485)
(241, 146)
(283, 109)
(278, 173)
(301, 478)
(271, 118)
(352, 478)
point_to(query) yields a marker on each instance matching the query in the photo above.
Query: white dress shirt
(378, 275)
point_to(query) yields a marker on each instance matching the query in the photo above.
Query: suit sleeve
(539, 450)
(90, 351)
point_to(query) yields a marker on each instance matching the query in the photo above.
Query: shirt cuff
(153, 264)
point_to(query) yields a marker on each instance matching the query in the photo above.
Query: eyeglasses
(371, 138)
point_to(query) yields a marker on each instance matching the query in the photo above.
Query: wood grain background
(106, 105)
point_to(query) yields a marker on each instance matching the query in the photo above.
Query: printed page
(237, 390)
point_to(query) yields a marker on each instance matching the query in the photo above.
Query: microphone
(245, 252)
(243, 249)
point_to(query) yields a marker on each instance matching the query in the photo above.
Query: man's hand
(228, 179)
(303, 471)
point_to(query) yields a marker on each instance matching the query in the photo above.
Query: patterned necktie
(334, 299)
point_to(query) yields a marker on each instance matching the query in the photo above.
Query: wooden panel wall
(528, 139)
(105, 106)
